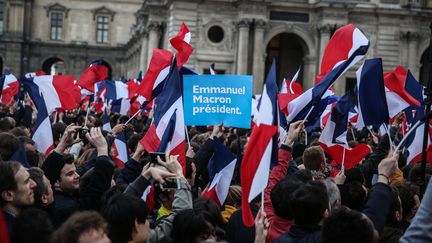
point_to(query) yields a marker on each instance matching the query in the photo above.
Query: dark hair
(415, 174)
(209, 206)
(26, 140)
(58, 129)
(190, 223)
(32, 225)
(313, 157)
(133, 141)
(406, 194)
(303, 175)
(76, 225)
(120, 212)
(354, 174)
(344, 225)
(33, 158)
(18, 132)
(395, 206)
(9, 143)
(280, 196)
(37, 175)
(53, 170)
(5, 124)
(308, 203)
(8, 170)
(353, 195)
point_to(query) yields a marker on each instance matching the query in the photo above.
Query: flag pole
(132, 117)
(343, 159)
(413, 128)
(187, 137)
(428, 102)
(87, 114)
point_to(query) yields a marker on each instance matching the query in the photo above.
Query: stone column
(144, 52)
(154, 29)
(413, 58)
(258, 57)
(324, 31)
(309, 67)
(243, 40)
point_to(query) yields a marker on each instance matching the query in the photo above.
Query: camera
(153, 157)
(82, 132)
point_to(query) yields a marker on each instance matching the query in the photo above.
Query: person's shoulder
(284, 238)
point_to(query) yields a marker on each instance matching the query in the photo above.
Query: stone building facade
(243, 36)
(239, 36)
(64, 36)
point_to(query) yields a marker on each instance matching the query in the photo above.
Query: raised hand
(96, 138)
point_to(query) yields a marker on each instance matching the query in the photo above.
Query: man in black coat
(61, 171)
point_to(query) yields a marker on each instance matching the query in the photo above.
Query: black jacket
(301, 233)
(89, 197)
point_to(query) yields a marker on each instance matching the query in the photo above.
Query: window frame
(58, 33)
(102, 29)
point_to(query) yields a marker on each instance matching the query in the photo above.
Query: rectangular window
(56, 26)
(102, 29)
(2, 14)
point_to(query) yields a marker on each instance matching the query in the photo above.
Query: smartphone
(153, 157)
(171, 183)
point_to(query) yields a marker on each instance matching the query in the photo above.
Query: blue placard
(215, 99)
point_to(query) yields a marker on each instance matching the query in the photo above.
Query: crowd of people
(78, 194)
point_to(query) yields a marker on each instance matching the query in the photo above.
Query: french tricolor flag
(96, 72)
(347, 46)
(260, 151)
(116, 90)
(291, 87)
(333, 137)
(180, 42)
(120, 155)
(370, 83)
(154, 79)
(148, 196)
(398, 98)
(212, 69)
(59, 91)
(167, 132)
(121, 106)
(221, 169)
(42, 135)
(336, 128)
(10, 88)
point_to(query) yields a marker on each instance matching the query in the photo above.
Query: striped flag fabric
(167, 132)
(156, 75)
(10, 88)
(398, 98)
(347, 46)
(59, 91)
(221, 169)
(212, 69)
(96, 72)
(116, 90)
(291, 86)
(333, 138)
(120, 156)
(262, 147)
(370, 83)
(42, 135)
(180, 42)
(335, 130)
